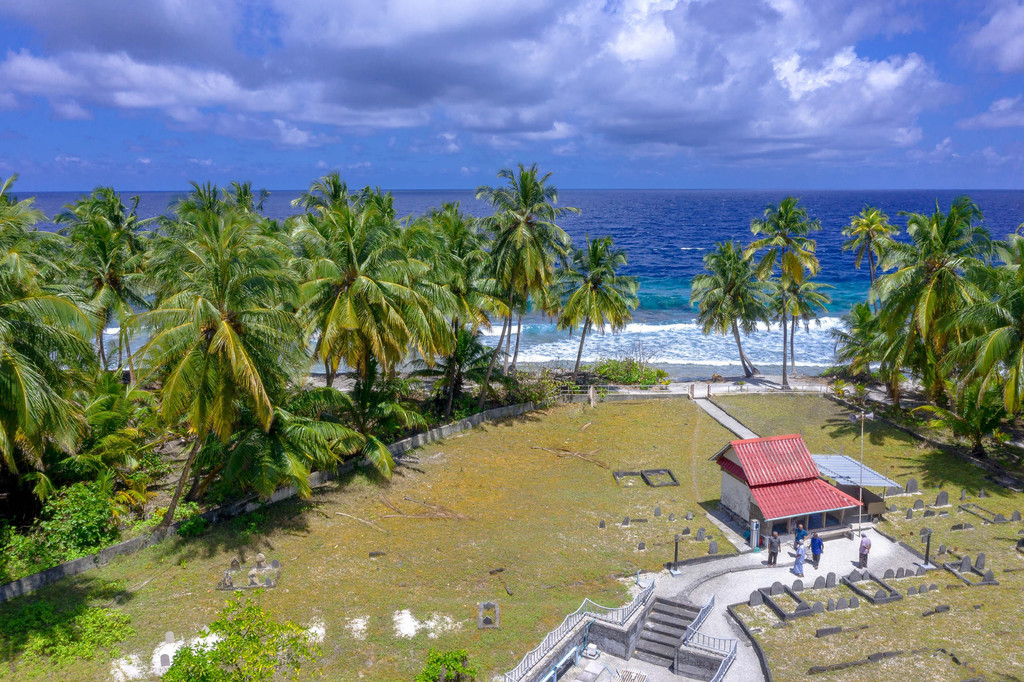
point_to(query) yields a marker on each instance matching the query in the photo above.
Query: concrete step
(693, 672)
(658, 638)
(656, 648)
(676, 631)
(675, 609)
(654, 658)
(668, 619)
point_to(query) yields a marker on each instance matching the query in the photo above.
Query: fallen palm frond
(368, 523)
(585, 456)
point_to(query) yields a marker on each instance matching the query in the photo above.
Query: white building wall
(735, 496)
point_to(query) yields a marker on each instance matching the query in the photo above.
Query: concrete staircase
(663, 631)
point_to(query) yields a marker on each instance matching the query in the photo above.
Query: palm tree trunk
(748, 369)
(169, 514)
(579, 353)
(519, 332)
(100, 351)
(328, 374)
(131, 361)
(792, 345)
(785, 328)
(197, 491)
(871, 271)
(508, 344)
(490, 367)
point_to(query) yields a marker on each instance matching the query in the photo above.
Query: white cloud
(1001, 39)
(70, 111)
(1007, 112)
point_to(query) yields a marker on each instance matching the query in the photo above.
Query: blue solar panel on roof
(846, 470)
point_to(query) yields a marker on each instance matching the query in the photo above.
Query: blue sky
(149, 94)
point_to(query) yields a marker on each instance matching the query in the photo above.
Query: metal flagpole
(860, 488)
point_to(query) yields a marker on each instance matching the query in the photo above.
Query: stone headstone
(942, 608)
(942, 499)
(700, 533)
(275, 564)
(169, 637)
(236, 564)
(601, 524)
(889, 574)
(982, 493)
(998, 518)
(641, 546)
(963, 494)
(912, 591)
(488, 615)
(802, 607)
(776, 589)
(261, 561)
(912, 486)
(755, 598)
(920, 571)
(893, 508)
(625, 521)
(657, 512)
(894, 490)
(686, 531)
(880, 595)
(989, 577)
(713, 547)
(965, 564)
(842, 604)
(1015, 516)
(929, 513)
(933, 587)
(918, 504)
(910, 514)
(926, 531)
(689, 516)
(900, 572)
(226, 582)
(818, 607)
(268, 583)
(943, 514)
(979, 562)
(253, 578)
(671, 517)
(942, 550)
(831, 604)
(968, 526)
(854, 576)
(830, 579)
(854, 602)
(165, 661)
(798, 585)
(819, 582)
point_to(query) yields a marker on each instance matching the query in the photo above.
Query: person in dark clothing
(774, 545)
(817, 547)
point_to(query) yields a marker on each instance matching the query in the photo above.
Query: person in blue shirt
(817, 547)
(801, 534)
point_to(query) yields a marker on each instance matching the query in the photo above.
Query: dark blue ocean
(666, 234)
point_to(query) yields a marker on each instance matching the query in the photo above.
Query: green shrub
(628, 371)
(58, 632)
(541, 389)
(193, 527)
(183, 512)
(249, 525)
(252, 646)
(455, 663)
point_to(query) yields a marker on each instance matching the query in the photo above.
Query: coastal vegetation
(165, 361)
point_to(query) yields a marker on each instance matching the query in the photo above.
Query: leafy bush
(628, 371)
(455, 664)
(44, 629)
(542, 389)
(248, 525)
(252, 646)
(193, 527)
(183, 512)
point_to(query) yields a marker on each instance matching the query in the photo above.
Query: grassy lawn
(983, 625)
(526, 510)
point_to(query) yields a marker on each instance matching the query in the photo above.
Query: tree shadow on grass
(52, 613)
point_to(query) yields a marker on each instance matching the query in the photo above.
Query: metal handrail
(588, 608)
(695, 624)
(719, 645)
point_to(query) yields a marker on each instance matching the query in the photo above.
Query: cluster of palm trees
(220, 312)
(944, 315)
(769, 280)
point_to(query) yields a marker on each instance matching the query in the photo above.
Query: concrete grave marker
(831, 604)
(236, 564)
(1015, 516)
(842, 604)
(929, 513)
(819, 582)
(625, 521)
(776, 589)
(925, 531)
(275, 564)
(657, 512)
(686, 531)
(889, 574)
(943, 514)
(713, 547)
(989, 577)
(261, 561)
(854, 602)
(893, 508)
(920, 571)
(979, 562)
(912, 592)
(910, 514)
(982, 493)
(942, 499)
(689, 516)
(894, 490)
(169, 637)
(268, 582)
(798, 585)
(802, 607)
(900, 572)
(488, 615)
(830, 579)
(756, 599)
(942, 550)
(918, 504)
(165, 661)
(880, 595)
(671, 517)
(965, 564)
(934, 587)
(818, 607)
(963, 494)
(998, 518)
(641, 547)
(700, 533)
(601, 524)
(912, 486)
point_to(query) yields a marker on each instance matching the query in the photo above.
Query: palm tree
(975, 414)
(220, 341)
(325, 193)
(931, 280)
(467, 361)
(592, 292)
(730, 295)
(857, 341)
(527, 240)
(869, 233)
(785, 242)
(806, 302)
(242, 198)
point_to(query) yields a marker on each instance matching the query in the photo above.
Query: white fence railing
(587, 609)
(725, 646)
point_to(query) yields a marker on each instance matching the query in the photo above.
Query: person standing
(817, 547)
(801, 554)
(774, 545)
(865, 547)
(800, 535)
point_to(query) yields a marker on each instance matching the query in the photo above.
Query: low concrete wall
(762, 658)
(31, 583)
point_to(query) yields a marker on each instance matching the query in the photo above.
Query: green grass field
(526, 510)
(984, 625)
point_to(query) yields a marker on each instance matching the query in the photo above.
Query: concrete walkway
(723, 418)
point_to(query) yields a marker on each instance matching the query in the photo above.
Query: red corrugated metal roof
(776, 459)
(732, 467)
(796, 498)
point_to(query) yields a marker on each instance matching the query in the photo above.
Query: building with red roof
(776, 482)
